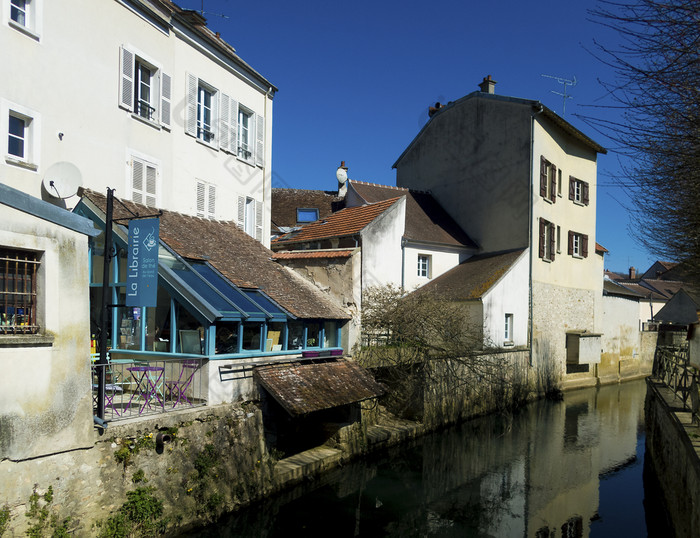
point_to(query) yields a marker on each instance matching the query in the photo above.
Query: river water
(556, 469)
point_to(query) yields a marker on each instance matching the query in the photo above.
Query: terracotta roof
(285, 203)
(348, 221)
(600, 248)
(303, 388)
(306, 254)
(239, 257)
(426, 220)
(472, 278)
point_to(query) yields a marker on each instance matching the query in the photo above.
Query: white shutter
(150, 193)
(211, 208)
(215, 117)
(259, 140)
(165, 96)
(200, 198)
(241, 212)
(126, 79)
(137, 181)
(225, 123)
(234, 126)
(258, 221)
(191, 108)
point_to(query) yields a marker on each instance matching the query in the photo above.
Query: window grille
(18, 270)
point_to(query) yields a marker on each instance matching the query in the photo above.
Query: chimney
(342, 175)
(633, 273)
(432, 110)
(487, 85)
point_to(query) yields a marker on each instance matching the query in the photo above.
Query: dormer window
(306, 214)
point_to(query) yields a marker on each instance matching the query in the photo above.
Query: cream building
(513, 174)
(139, 96)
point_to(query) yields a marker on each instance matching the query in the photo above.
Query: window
(548, 180)
(24, 15)
(18, 291)
(547, 240)
(307, 214)
(206, 199)
(578, 191)
(144, 178)
(144, 89)
(21, 127)
(250, 217)
(508, 333)
(424, 266)
(578, 245)
(204, 114)
(244, 127)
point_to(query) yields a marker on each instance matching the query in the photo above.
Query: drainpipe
(266, 166)
(531, 224)
(403, 262)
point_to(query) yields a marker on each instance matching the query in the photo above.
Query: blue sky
(355, 81)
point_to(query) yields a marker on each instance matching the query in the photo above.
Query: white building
(140, 96)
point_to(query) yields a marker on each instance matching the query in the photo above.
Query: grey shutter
(150, 193)
(259, 221)
(137, 181)
(211, 198)
(259, 140)
(225, 123)
(584, 192)
(241, 212)
(191, 107)
(165, 97)
(200, 198)
(126, 79)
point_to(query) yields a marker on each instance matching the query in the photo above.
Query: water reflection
(564, 469)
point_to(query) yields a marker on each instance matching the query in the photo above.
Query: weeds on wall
(4, 519)
(140, 516)
(44, 522)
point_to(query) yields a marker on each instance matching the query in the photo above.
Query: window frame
(130, 90)
(579, 191)
(32, 130)
(424, 267)
(578, 244)
(508, 329)
(313, 210)
(206, 132)
(547, 240)
(32, 10)
(32, 259)
(245, 149)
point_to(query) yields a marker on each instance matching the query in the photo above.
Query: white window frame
(206, 199)
(508, 329)
(130, 88)
(133, 194)
(32, 138)
(206, 131)
(576, 245)
(250, 217)
(245, 141)
(32, 25)
(424, 265)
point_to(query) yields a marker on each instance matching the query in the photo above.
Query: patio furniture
(147, 379)
(177, 390)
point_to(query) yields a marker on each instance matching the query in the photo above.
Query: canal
(556, 469)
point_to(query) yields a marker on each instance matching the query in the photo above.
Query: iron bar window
(18, 297)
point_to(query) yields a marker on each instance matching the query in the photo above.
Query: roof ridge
(410, 190)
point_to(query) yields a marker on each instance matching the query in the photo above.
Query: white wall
(45, 392)
(508, 295)
(441, 260)
(70, 76)
(381, 247)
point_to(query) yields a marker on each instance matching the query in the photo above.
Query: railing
(672, 367)
(135, 388)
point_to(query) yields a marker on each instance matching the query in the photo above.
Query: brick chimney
(633, 273)
(488, 85)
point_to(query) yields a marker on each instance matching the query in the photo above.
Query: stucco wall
(508, 295)
(97, 135)
(474, 158)
(381, 247)
(441, 261)
(45, 391)
(621, 339)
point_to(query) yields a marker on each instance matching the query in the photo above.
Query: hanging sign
(142, 263)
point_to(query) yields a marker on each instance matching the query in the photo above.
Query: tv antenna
(202, 13)
(566, 82)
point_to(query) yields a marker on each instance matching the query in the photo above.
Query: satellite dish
(342, 174)
(62, 180)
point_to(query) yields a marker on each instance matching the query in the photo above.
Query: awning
(302, 388)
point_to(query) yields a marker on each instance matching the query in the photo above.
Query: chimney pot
(488, 85)
(633, 273)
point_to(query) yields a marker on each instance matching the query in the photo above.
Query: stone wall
(673, 454)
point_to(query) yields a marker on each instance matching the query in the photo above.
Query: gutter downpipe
(531, 224)
(403, 262)
(267, 165)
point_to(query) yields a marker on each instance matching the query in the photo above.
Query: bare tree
(657, 90)
(426, 348)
